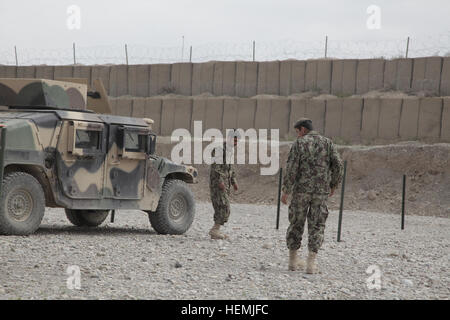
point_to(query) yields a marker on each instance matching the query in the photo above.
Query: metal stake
(126, 53)
(403, 201)
(341, 207)
(279, 197)
(407, 48)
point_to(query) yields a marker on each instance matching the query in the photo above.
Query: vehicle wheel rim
(178, 207)
(20, 205)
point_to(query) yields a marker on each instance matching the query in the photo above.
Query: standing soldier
(313, 171)
(222, 177)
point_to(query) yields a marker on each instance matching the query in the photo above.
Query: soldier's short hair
(304, 122)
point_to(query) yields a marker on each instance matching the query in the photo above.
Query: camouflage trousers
(309, 207)
(221, 204)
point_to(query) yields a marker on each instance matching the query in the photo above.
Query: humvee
(59, 147)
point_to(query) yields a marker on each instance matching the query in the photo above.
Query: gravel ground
(128, 260)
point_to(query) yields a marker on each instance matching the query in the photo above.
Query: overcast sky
(42, 24)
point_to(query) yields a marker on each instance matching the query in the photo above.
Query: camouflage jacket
(313, 166)
(222, 172)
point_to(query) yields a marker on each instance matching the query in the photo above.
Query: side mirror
(151, 143)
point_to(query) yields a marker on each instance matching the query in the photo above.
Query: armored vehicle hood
(42, 93)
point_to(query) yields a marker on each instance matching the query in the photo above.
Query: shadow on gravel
(82, 231)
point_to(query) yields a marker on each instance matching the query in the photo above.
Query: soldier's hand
(221, 186)
(235, 186)
(332, 192)
(284, 198)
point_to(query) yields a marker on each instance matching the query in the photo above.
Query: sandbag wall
(351, 120)
(247, 79)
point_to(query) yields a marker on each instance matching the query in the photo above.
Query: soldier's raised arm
(292, 165)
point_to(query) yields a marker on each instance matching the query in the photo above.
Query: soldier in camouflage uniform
(222, 177)
(313, 171)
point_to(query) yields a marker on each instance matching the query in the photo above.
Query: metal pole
(182, 49)
(126, 53)
(326, 45)
(15, 53)
(279, 197)
(190, 54)
(403, 201)
(407, 47)
(74, 57)
(254, 46)
(113, 214)
(341, 207)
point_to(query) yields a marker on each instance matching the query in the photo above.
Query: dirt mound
(373, 183)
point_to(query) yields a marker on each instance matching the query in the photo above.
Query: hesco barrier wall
(247, 79)
(347, 120)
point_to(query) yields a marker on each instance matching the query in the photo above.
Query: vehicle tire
(86, 218)
(22, 204)
(176, 208)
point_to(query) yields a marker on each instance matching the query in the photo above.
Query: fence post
(407, 47)
(326, 46)
(253, 50)
(341, 207)
(74, 56)
(182, 48)
(15, 53)
(403, 201)
(280, 178)
(190, 54)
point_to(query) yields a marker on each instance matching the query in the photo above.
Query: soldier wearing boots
(222, 177)
(313, 171)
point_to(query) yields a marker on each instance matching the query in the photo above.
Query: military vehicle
(59, 147)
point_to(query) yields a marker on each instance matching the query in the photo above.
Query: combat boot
(295, 263)
(311, 266)
(215, 232)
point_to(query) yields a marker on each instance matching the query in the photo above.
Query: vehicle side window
(135, 142)
(88, 139)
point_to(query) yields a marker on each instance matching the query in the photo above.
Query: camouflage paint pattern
(221, 173)
(42, 93)
(42, 143)
(313, 168)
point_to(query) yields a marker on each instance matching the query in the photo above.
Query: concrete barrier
(376, 74)
(224, 78)
(269, 77)
(198, 112)
(389, 121)
(8, 71)
(246, 78)
(153, 110)
(390, 75)
(409, 119)
(213, 113)
(370, 118)
(113, 105)
(315, 110)
(333, 118)
(202, 78)
(427, 74)
(445, 122)
(124, 107)
(404, 72)
(445, 77)
(362, 76)
(298, 110)
(138, 80)
(167, 116)
(183, 113)
(26, 72)
(84, 72)
(102, 73)
(246, 113)
(298, 72)
(262, 115)
(63, 72)
(343, 80)
(118, 80)
(311, 75)
(279, 116)
(430, 112)
(44, 72)
(160, 79)
(230, 113)
(181, 78)
(351, 119)
(285, 77)
(324, 68)
(138, 108)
